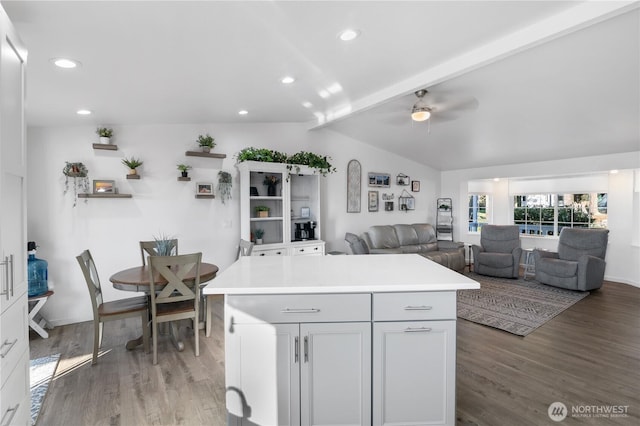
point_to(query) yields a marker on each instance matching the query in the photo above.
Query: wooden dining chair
(173, 298)
(110, 311)
(150, 248)
(244, 249)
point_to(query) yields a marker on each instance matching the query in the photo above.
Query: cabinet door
(414, 373)
(262, 374)
(13, 251)
(336, 374)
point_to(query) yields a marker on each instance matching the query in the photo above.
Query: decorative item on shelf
(406, 201)
(302, 158)
(132, 163)
(105, 134)
(258, 233)
(262, 211)
(78, 172)
(402, 179)
(305, 212)
(104, 187)
(184, 170)
(224, 185)
(204, 190)
(444, 206)
(206, 142)
(271, 182)
(415, 186)
(253, 192)
(165, 245)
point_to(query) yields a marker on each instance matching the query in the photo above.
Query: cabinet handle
(417, 330)
(296, 351)
(13, 411)
(261, 254)
(299, 311)
(12, 273)
(6, 343)
(301, 250)
(418, 308)
(278, 252)
(306, 348)
(5, 291)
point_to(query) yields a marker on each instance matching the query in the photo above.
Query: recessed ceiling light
(83, 112)
(323, 94)
(349, 34)
(65, 63)
(496, 179)
(287, 80)
(613, 172)
(307, 104)
(243, 112)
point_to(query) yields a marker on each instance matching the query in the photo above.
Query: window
(547, 214)
(477, 211)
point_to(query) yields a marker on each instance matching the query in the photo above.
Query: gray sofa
(579, 262)
(417, 238)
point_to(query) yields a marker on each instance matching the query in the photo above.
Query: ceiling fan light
(420, 113)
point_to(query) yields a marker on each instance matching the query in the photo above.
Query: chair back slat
(167, 276)
(88, 267)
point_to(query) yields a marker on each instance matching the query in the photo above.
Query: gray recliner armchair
(499, 252)
(579, 262)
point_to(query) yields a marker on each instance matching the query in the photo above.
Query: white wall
(111, 228)
(623, 251)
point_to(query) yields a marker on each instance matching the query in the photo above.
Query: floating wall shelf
(204, 154)
(108, 147)
(104, 195)
(184, 179)
(133, 176)
(205, 196)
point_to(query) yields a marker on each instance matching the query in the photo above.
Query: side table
(36, 321)
(529, 264)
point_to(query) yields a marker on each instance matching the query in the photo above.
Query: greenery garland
(302, 158)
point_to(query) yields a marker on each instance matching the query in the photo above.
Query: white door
(414, 373)
(263, 374)
(336, 374)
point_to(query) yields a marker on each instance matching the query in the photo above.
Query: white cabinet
(289, 216)
(14, 353)
(414, 355)
(283, 368)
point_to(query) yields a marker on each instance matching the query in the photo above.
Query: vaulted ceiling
(509, 81)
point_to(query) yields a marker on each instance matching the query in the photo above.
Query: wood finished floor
(588, 355)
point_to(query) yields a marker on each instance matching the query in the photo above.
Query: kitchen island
(349, 340)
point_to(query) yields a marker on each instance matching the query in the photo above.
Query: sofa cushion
(496, 260)
(575, 242)
(426, 234)
(500, 238)
(356, 244)
(407, 235)
(411, 248)
(558, 268)
(383, 237)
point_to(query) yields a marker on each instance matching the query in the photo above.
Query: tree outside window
(478, 214)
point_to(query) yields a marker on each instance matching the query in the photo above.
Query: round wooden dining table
(137, 279)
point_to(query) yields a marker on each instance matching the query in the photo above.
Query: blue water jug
(37, 270)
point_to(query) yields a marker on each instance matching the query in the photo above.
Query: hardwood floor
(587, 356)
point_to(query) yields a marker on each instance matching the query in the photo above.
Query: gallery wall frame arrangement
(379, 180)
(406, 201)
(373, 201)
(354, 182)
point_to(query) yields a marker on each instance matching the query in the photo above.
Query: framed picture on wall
(204, 188)
(415, 186)
(373, 201)
(382, 180)
(104, 187)
(388, 206)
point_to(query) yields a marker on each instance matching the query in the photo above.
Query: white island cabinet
(339, 340)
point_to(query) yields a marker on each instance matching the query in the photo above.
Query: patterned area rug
(41, 372)
(516, 306)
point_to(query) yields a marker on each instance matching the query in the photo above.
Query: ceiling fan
(420, 110)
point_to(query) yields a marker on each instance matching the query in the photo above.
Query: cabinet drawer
(269, 252)
(289, 308)
(435, 305)
(316, 249)
(14, 336)
(15, 403)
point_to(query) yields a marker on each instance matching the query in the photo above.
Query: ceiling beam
(580, 16)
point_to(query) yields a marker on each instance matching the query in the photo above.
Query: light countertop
(336, 274)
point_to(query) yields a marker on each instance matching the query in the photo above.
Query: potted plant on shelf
(184, 169)
(79, 173)
(206, 142)
(258, 233)
(262, 211)
(271, 183)
(132, 163)
(105, 134)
